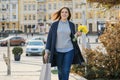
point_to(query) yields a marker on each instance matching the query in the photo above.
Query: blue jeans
(64, 61)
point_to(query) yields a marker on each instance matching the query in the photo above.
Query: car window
(35, 43)
(18, 38)
(37, 38)
(13, 38)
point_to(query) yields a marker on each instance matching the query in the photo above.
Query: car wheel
(22, 43)
(26, 54)
(1, 44)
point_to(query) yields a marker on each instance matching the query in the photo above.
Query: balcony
(41, 0)
(40, 20)
(67, 0)
(4, 9)
(4, 19)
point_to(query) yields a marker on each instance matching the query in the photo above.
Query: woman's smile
(64, 14)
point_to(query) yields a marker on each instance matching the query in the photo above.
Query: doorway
(90, 28)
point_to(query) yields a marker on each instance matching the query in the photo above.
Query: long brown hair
(57, 15)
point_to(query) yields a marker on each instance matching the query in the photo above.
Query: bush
(104, 64)
(17, 50)
(106, 3)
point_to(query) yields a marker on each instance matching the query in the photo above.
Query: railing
(4, 9)
(2, 34)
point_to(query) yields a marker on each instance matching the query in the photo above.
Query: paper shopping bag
(46, 72)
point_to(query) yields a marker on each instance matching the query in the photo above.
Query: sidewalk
(71, 77)
(27, 69)
(33, 76)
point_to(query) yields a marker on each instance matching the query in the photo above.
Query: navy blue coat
(51, 44)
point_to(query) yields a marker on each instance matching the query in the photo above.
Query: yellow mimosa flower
(83, 29)
(80, 28)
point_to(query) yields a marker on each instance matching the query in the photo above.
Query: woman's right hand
(46, 57)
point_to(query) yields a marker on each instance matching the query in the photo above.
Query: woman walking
(60, 45)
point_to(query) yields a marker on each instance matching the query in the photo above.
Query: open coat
(51, 44)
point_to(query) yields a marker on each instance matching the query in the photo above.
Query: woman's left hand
(78, 33)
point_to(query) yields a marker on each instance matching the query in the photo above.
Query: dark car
(13, 31)
(4, 34)
(14, 40)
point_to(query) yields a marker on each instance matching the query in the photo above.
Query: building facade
(41, 15)
(84, 13)
(9, 15)
(28, 15)
(36, 15)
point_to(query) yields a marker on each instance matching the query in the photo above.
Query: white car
(34, 47)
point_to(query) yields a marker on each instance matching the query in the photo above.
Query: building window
(33, 17)
(49, 5)
(29, 17)
(89, 5)
(3, 18)
(25, 17)
(3, 6)
(14, 6)
(54, 5)
(33, 7)
(29, 7)
(76, 5)
(90, 15)
(25, 7)
(103, 15)
(76, 15)
(7, 25)
(14, 25)
(80, 15)
(14, 16)
(117, 6)
(98, 16)
(40, 7)
(7, 6)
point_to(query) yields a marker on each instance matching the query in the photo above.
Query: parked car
(39, 38)
(14, 40)
(13, 31)
(34, 47)
(4, 34)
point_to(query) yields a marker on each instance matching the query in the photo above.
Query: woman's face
(64, 14)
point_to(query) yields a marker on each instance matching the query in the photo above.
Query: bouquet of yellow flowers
(82, 29)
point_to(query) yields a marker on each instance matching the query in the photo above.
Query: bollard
(6, 59)
(96, 39)
(88, 46)
(8, 55)
(88, 40)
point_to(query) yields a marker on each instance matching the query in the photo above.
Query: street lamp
(8, 50)
(84, 22)
(44, 24)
